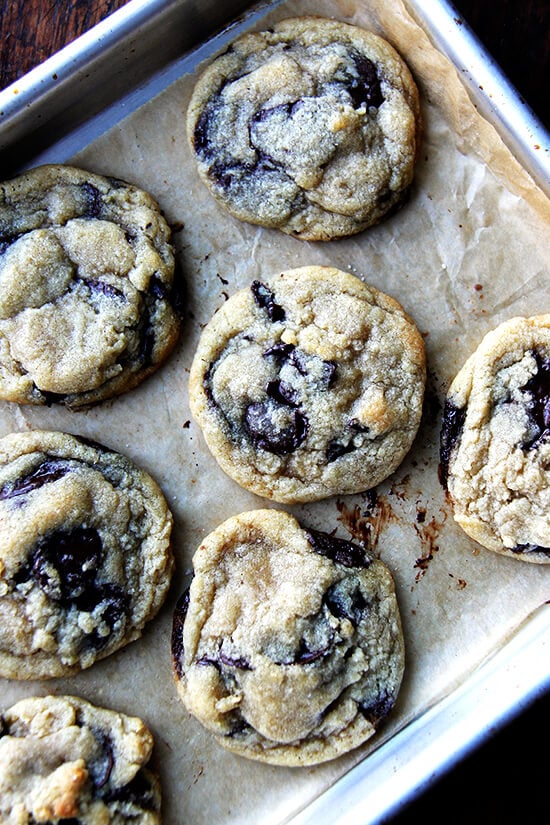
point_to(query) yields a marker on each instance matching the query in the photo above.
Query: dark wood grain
(32, 30)
(515, 32)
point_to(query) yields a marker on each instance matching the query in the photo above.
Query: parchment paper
(468, 251)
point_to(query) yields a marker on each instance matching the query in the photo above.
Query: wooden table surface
(503, 781)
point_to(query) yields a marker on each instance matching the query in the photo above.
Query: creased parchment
(469, 250)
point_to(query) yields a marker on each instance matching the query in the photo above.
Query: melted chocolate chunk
(147, 345)
(282, 392)
(6, 241)
(267, 434)
(158, 289)
(47, 472)
(102, 288)
(335, 450)
(180, 612)
(284, 109)
(376, 711)
(113, 605)
(338, 550)
(222, 658)
(101, 767)
(94, 203)
(201, 137)
(65, 563)
(364, 88)
(531, 548)
(266, 300)
(279, 350)
(346, 604)
(451, 431)
(306, 365)
(235, 661)
(537, 390)
(307, 657)
(139, 792)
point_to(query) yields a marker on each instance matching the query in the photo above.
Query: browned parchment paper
(468, 251)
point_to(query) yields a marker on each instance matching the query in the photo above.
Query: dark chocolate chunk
(364, 88)
(451, 431)
(305, 656)
(112, 603)
(235, 661)
(346, 603)
(201, 136)
(531, 548)
(375, 711)
(65, 563)
(180, 612)
(158, 289)
(47, 472)
(102, 288)
(267, 434)
(101, 767)
(139, 792)
(336, 449)
(279, 350)
(266, 300)
(6, 241)
(537, 390)
(338, 550)
(282, 392)
(303, 363)
(94, 203)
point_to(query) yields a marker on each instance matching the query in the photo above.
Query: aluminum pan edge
(93, 72)
(491, 91)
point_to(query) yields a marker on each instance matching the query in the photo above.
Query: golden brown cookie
(309, 384)
(288, 645)
(495, 441)
(311, 127)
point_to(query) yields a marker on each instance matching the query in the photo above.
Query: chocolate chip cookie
(309, 384)
(64, 760)
(495, 441)
(87, 297)
(288, 645)
(85, 559)
(311, 127)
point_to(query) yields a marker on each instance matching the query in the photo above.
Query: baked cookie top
(64, 760)
(86, 287)
(288, 645)
(308, 385)
(495, 441)
(85, 559)
(310, 127)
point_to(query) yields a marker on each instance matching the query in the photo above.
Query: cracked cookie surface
(65, 760)
(495, 441)
(310, 127)
(288, 645)
(86, 287)
(85, 559)
(308, 385)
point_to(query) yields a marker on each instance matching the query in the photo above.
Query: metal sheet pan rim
(516, 674)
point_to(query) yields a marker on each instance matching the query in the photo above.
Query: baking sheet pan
(476, 625)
